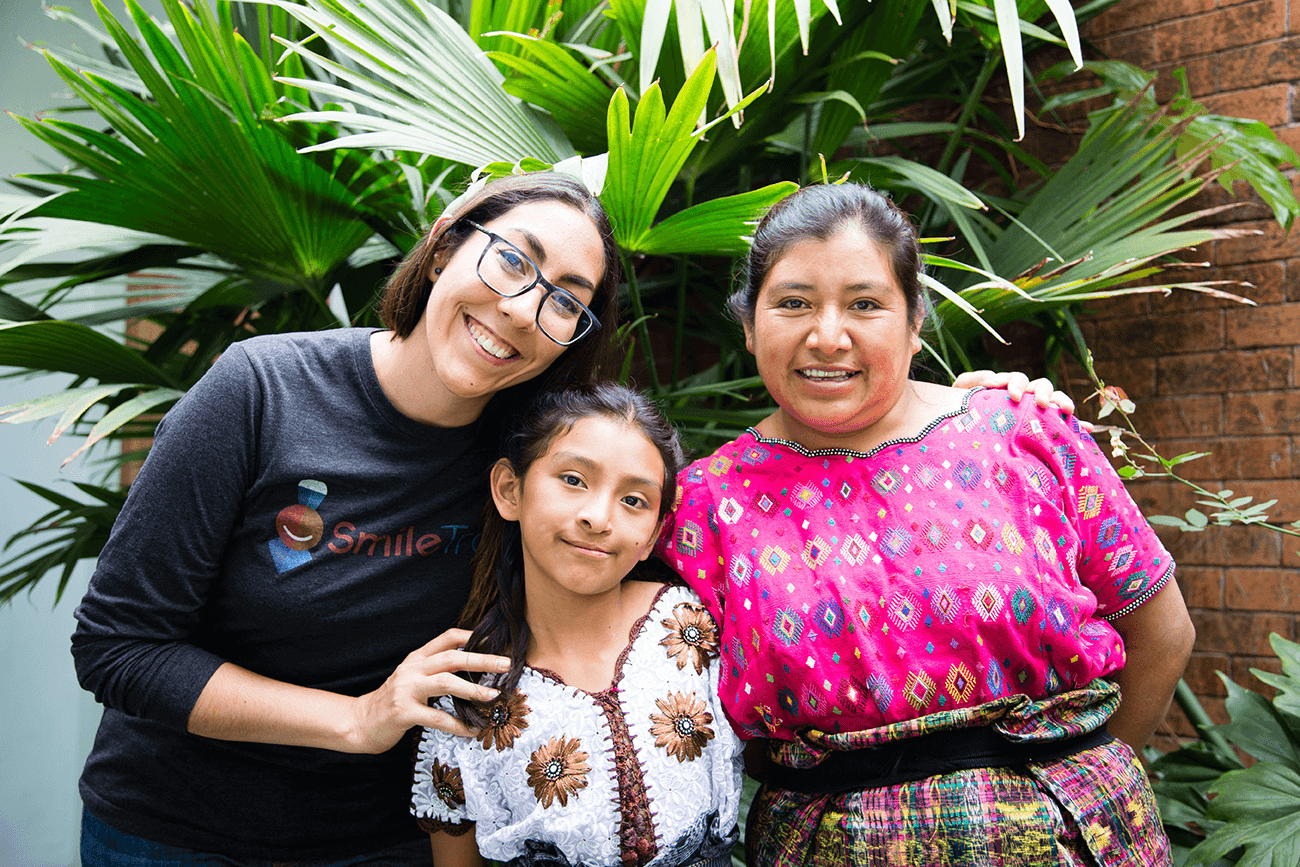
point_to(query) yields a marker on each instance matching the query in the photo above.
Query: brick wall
(1210, 375)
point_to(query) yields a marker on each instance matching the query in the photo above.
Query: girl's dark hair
(496, 610)
(407, 292)
(818, 213)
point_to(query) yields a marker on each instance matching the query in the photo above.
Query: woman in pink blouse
(941, 609)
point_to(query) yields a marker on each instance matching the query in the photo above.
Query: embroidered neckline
(875, 450)
(633, 634)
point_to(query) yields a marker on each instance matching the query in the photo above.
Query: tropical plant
(265, 163)
(1218, 811)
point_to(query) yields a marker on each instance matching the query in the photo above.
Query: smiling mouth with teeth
(484, 340)
(828, 375)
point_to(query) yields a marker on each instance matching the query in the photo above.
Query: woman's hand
(1017, 385)
(241, 705)
(380, 718)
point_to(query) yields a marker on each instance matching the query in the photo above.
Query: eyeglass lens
(509, 272)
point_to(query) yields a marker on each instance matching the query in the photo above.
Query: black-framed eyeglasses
(509, 271)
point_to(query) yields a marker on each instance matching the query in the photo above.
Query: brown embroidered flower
(692, 636)
(447, 785)
(683, 727)
(558, 769)
(506, 719)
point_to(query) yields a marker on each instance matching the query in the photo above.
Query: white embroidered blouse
(646, 773)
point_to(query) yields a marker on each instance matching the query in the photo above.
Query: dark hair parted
(817, 213)
(407, 292)
(496, 610)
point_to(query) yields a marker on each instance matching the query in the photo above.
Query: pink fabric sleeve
(689, 541)
(1120, 557)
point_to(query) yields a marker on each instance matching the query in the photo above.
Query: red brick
(1165, 418)
(1262, 63)
(1290, 135)
(1228, 546)
(1224, 28)
(1142, 13)
(1262, 413)
(1285, 491)
(1200, 673)
(1290, 551)
(1238, 633)
(1268, 241)
(1273, 325)
(1177, 722)
(1202, 74)
(1205, 372)
(1267, 102)
(1202, 587)
(1264, 457)
(1137, 376)
(1123, 307)
(1137, 47)
(1242, 674)
(1262, 590)
(1293, 278)
(1162, 335)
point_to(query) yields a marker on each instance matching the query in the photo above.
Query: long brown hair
(496, 610)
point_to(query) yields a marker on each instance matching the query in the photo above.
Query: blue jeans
(104, 846)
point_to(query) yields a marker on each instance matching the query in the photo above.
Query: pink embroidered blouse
(981, 559)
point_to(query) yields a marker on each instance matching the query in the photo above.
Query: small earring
(437, 270)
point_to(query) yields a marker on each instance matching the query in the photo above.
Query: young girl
(606, 744)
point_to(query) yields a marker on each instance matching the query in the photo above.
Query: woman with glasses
(258, 625)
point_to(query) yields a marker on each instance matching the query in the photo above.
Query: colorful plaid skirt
(1094, 807)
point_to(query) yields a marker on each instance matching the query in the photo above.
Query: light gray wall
(46, 721)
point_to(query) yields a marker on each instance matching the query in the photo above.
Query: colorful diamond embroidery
(945, 603)
(1003, 421)
(1108, 533)
(1068, 459)
(903, 610)
(886, 482)
(936, 535)
(1059, 617)
(927, 475)
(740, 570)
(786, 699)
(854, 550)
(896, 540)
(881, 692)
(960, 683)
(719, 464)
(788, 626)
(729, 511)
(689, 538)
(1023, 605)
(774, 559)
(919, 689)
(966, 421)
(1043, 545)
(764, 502)
(829, 617)
(988, 602)
(807, 495)
(1090, 501)
(1012, 539)
(852, 694)
(1002, 477)
(1123, 559)
(967, 475)
(815, 552)
(1134, 586)
(864, 615)
(810, 697)
(995, 680)
(754, 455)
(847, 491)
(977, 532)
